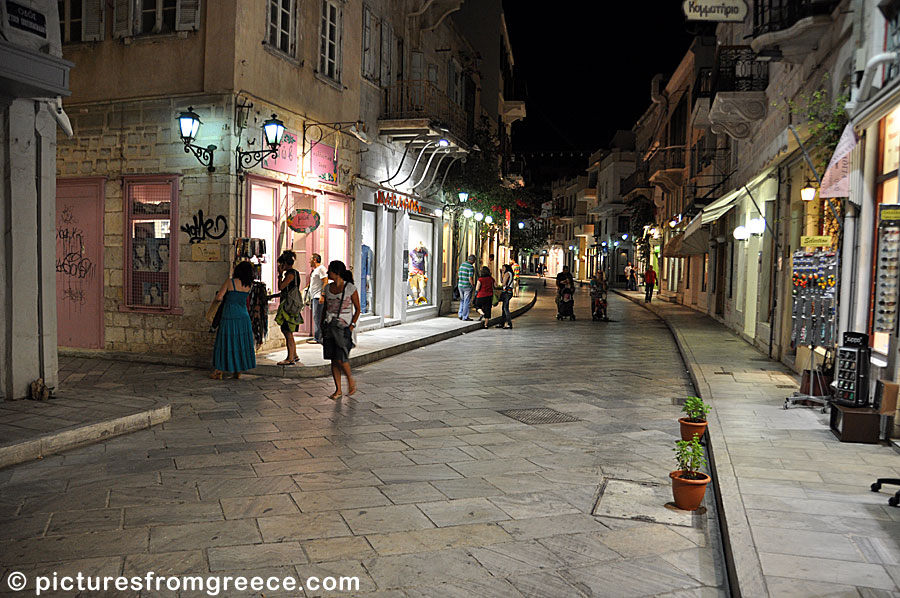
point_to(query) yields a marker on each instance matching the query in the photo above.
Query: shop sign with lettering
(815, 241)
(287, 159)
(323, 163)
(716, 11)
(26, 19)
(400, 202)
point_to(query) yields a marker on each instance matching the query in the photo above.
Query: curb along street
(745, 576)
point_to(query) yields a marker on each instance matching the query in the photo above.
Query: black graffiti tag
(202, 229)
(74, 295)
(76, 265)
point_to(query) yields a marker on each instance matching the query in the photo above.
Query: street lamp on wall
(463, 197)
(808, 192)
(467, 213)
(188, 126)
(741, 233)
(273, 129)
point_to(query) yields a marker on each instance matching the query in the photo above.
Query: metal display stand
(814, 282)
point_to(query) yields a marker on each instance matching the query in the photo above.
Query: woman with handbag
(339, 318)
(484, 294)
(290, 304)
(234, 350)
(507, 282)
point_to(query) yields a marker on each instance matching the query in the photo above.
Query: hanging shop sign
(836, 182)
(400, 202)
(323, 163)
(303, 221)
(815, 241)
(716, 11)
(287, 161)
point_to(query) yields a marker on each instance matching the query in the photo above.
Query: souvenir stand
(814, 283)
(254, 251)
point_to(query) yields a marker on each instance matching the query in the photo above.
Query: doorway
(79, 263)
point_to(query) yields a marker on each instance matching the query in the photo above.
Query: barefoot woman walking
(339, 321)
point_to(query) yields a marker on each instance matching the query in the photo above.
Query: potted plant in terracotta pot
(694, 422)
(688, 483)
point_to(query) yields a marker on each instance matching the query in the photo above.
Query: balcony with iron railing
(635, 182)
(667, 167)
(739, 91)
(417, 100)
(788, 29)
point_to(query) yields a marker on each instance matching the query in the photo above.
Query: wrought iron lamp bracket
(247, 160)
(203, 154)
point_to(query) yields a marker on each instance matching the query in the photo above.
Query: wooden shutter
(451, 79)
(123, 18)
(418, 66)
(368, 51)
(92, 21)
(187, 15)
(387, 45)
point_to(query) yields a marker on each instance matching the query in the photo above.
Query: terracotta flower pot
(688, 494)
(689, 428)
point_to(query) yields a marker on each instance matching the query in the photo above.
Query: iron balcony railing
(778, 15)
(669, 158)
(423, 99)
(639, 179)
(737, 69)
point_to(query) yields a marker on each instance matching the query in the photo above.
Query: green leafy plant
(695, 409)
(690, 458)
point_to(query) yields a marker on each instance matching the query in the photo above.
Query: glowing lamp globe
(189, 124)
(273, 129)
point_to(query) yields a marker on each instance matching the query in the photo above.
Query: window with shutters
(455, 82)
(282, 26)
(387, 48)
(330, 41)
(371, 28)
(80, 20)
(148, 17)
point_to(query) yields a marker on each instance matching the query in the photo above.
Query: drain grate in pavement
(641, 501)
(538, 415)
(723, 373)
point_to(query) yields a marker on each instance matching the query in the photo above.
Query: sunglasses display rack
(852, 371)
(814, 288)
(887, 277)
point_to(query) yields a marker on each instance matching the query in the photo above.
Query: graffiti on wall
(202, 228)
(72, 260)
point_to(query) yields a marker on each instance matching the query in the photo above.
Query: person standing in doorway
(465, 281)
(629, 271)
(649, 282)
(317, 279)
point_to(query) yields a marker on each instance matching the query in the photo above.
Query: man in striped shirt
(465, 278)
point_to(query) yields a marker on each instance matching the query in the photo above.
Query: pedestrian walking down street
(235, 350)
(338, 324)
(649, 281)
(465, 282)
(507, 283)
(630, 283)
(290, 304)
(484, 294)
(317, 279)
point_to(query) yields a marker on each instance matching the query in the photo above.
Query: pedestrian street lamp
(488, 219)
(808, 192)
(521, 225)
(479, 216)
(756, 226)
(467, 213)
(741, 233)
(463, 197)
(188, 126)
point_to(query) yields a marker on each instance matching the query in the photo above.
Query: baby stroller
(565, 303)
(598, 305)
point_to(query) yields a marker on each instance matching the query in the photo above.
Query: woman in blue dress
(235, 350)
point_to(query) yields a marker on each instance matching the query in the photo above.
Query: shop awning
(718, 208)
(693, 241)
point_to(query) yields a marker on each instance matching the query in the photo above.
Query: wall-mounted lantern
(808, 192)
(188, 126)
(741, 233)
(273, 130)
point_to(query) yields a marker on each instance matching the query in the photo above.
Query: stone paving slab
(796, 501)
(368, 486)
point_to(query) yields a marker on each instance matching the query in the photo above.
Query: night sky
(588, 69)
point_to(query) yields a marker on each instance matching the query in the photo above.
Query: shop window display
(420, 233)
(367, 264)
(149, 257)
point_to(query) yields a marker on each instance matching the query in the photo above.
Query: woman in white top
(338, 323)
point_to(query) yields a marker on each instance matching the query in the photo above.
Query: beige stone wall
(115, 140)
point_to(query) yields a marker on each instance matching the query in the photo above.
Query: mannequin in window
(418, 257)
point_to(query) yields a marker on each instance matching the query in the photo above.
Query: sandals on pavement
(335, 396)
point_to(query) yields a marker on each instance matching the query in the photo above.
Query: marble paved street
(417, 484)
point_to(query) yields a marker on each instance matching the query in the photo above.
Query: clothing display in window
(418, 277)
(366, 288)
